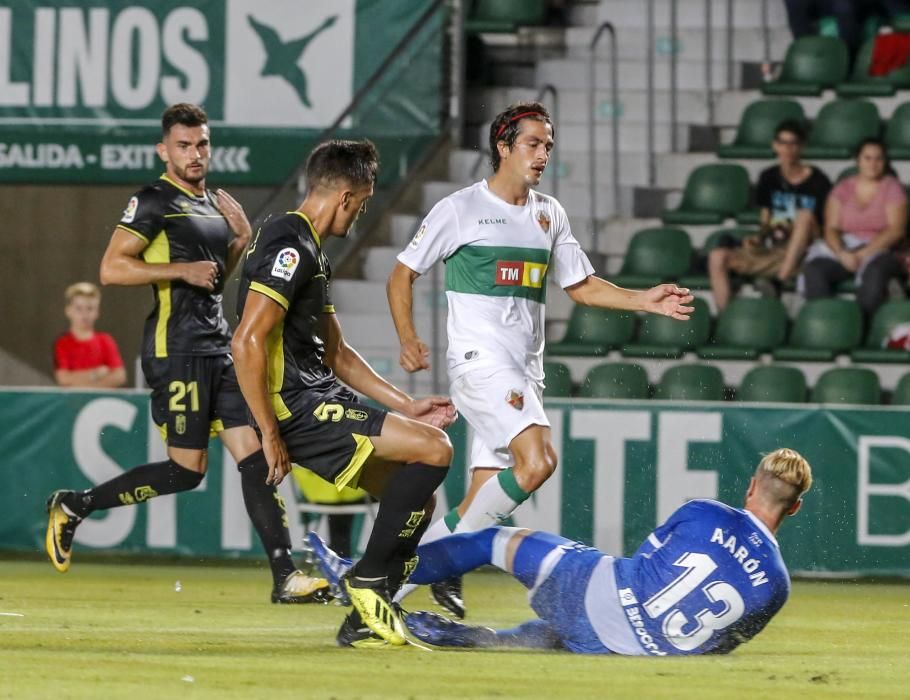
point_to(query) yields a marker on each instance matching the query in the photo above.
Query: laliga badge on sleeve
(130, 212)
(286, 263)
(418, 236)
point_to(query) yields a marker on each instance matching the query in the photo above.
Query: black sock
(340, 526)
(268, 515)
(135, 486)
(405, 559)
(400, 514)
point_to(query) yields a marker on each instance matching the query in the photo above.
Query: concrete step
(402, 228)
(369, 296)
(572, 106)
(631, 43)
(376, 330)
(572, 73)
(747, 14)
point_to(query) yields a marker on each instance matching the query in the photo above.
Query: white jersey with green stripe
(498, 258)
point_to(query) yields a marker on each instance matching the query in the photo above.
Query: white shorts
(498, 404)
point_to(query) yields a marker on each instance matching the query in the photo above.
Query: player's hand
(669, 300)
(202, 273)
(414, 354)
(438, 411)
(233, 213)
(276, 455)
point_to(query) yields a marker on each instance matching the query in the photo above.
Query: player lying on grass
(707, 580)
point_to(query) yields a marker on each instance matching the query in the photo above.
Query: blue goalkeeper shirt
(707, 580)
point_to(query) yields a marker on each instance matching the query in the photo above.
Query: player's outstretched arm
(233, 213)
(399, 289)
(249, 347)
(121, 265)
(350, 367)
(664, 299)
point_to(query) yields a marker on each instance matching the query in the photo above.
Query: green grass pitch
(123, 631)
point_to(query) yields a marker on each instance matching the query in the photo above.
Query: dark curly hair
(505, 126)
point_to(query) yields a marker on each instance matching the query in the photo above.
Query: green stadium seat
(664, 337)
(901, 394)
(897, 133)
(889, 315)
(839, 128)
(691, 383)
(700, 280)
(773, 383)
(861, 84)
(504, 16)
(655, 255)
(757, 126)
(847, 385)
(557, 379)
(812, 64)
(615, 380)
(714, 192)
(824, 328)
(593, 331)
(749, 217)
(747, 328)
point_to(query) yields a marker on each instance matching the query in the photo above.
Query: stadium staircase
(647, 186)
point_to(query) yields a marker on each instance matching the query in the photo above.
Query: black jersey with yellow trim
(287, 265)
(179, 226)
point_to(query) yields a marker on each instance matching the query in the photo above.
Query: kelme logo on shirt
(285, 264)
(490, 222)
(520, 274)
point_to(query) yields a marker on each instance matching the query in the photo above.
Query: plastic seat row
(748, 327)
(817, 63)
(839, 127)
(503, 16)
(666, 254)
(690, 382)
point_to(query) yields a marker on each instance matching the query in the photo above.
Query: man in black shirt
(184, 240)
(792, 198)
(291, 357)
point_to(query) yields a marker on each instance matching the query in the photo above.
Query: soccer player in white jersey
(707, 580)
(501, 241)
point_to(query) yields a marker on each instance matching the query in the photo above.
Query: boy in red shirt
(82, 357)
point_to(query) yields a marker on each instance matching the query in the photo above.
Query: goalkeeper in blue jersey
(707, 580)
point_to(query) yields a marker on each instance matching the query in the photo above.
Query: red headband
(520, 115)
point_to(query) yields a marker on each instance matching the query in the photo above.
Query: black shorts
(330, 434)
(194, 398)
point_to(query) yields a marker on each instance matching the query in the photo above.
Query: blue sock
(453, 556)
(534, 634)
(530, 555)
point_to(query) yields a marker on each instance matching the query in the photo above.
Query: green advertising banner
(83, 85)
(624, 467)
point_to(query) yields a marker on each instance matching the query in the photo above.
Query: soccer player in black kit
(291, 358)
(185, 240)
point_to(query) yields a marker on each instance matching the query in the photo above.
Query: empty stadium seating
(812, 64)
(615, 380)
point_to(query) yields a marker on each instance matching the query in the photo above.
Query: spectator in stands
(804, 15)
(82, 356)
(792, 197)
(865, 219)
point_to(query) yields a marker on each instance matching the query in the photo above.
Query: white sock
(436, 531)
(495, 501)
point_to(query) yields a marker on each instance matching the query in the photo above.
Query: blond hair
(81, 289)
(785, 475)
